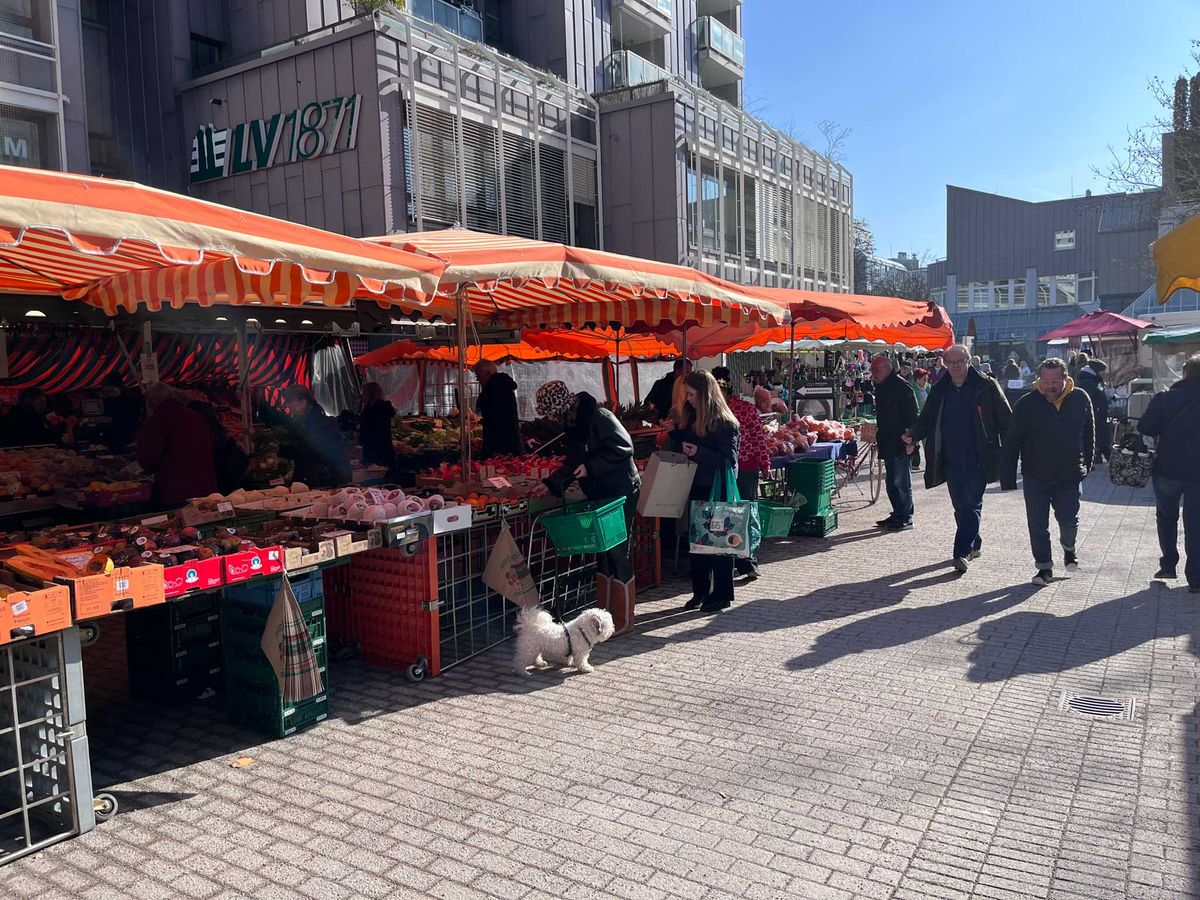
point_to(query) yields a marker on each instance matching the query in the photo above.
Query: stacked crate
(813, 479)
(174, 649)
(645, 552)
(252, 690)
(385, 603)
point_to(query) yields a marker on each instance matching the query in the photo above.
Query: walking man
(895, 413)
(961, 425)
(1054, 435)
(1173, 419)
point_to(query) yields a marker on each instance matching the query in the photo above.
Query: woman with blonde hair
(710, 436)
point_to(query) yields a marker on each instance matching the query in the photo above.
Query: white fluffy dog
(540, 638)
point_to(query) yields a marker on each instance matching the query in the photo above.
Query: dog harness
(567, 635)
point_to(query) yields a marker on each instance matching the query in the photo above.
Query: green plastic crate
(775, 518)
(588, 527)
(815, 526)
(811, 474)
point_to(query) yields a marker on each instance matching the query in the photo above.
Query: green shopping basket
(587, 527)
(775, 518)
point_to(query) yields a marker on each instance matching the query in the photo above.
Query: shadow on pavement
(903, 626)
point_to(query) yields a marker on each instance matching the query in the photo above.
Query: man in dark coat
(662, 390)
(962, 424)
(895, 413)
(1090, 378)
(316, 445)
(497, 406)
(175, 445)
(1052, 431)
(1173, 419)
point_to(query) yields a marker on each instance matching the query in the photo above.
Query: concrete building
(612, 123)
(1015, 269)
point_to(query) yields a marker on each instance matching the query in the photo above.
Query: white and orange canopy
(118, 245)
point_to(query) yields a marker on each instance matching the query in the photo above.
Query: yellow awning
(1177, 259)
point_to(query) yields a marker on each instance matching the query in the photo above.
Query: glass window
(207, 53)
(1018, 292)
(27, 138)
(821, 182)
(1064, 290)
(964, 296)
(1043, 288)
(1064, 240)
(26, 18)
(1000, 294)
(808, 175)
(1087, 288)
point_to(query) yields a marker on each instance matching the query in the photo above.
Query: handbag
(729, 527)
(1131, 462)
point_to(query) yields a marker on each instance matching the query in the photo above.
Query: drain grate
(1122, 708)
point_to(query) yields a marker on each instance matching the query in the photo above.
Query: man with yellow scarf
(1053, 433)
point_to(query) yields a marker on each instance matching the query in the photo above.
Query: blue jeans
(1040, 497)
(966, 485)
(1168, 493)
(898, 479)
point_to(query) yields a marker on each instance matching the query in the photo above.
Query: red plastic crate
(385, 601)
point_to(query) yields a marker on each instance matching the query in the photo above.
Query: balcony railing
(644, 20)
(28, 63)
(463, 21)
(712, 35)
(627, 69)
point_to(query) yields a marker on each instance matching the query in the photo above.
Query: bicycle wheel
(876, 473)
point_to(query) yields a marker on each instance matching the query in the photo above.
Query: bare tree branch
(835, 136)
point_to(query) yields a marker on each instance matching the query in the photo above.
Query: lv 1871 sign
(316, 129)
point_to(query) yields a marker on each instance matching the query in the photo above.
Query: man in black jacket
(497, 407)
(1053, 433)
(661, 391)
(895, 413)
(962, 424)
(1173, 419)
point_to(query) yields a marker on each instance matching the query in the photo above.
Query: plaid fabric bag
(289, 648)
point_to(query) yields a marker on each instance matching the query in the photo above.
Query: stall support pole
(464, 433)
(685, 356)
(243, 352)
(617, 372)
(792, 374)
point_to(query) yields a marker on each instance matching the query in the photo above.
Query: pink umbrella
(1097, 324)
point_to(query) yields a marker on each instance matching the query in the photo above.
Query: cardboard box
(121, 589)
(301, 557)
(666, 484)
(34, 613)
(195, 575)
(359, 541)
(252, 564)
(206, 512)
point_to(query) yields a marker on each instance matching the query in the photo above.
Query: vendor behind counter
(175, 445)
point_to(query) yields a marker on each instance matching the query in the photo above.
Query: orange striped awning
(517, 281)
(119, 245)
(933, 332)
(866, 310)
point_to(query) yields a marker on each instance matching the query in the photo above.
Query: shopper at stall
(1012, 372)
(895, 413)
(316, 445)
(920, 386)
(375, 428)
(1052, 434)
(124, 408)
(937, 369)
(175, 445)
(663, 390)
(1090, 378)
(25, 424)
(711, 438)
(231, 462)
(962, 424)
(753, 459)
(1173, 420)
(497, 407)
(599, 455)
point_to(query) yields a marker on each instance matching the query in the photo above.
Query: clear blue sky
(1020, 98)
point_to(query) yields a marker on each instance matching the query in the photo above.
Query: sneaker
(695, 603)
(976, 552)
(884, 523)
(710, 606)
(1166, 574)
(897, 526)
(960, 563)
(1043, 576)
(1070, 561)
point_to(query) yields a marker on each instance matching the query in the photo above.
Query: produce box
(350, 541)
(196, 575)
(120, 590)
(252, 563)
(32, 613)
(299, 557)
(87, 498)
(201, 512)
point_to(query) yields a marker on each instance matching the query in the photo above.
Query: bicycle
(847, 469)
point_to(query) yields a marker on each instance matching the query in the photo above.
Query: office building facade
(1015, 270)
(613, 123)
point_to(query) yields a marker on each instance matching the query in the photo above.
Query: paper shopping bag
(289, 649)
(665, 485)
(506, 572)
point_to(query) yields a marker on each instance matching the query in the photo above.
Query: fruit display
(43, 470)
(413, 434)
(786, 440)
(826, 430)
(369, 505)
(266, 463)
(504, 466)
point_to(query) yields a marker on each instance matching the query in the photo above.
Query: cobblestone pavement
(863, 723)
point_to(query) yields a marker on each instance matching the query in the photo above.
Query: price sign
(277, 482)
(499, 482)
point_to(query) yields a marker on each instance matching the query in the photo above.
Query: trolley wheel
(104, 806)
(89, 633)
(416, 672)
(409, 550)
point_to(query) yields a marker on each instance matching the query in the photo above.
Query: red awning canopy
(867, 310)
(933, 330)
(1097, 324)
(535, 346)
(516, 281)
(116, 244)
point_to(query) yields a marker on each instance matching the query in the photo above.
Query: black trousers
(712, 577)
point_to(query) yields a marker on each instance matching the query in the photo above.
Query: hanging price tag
(499, 482)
